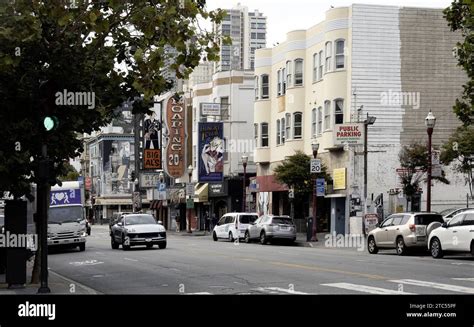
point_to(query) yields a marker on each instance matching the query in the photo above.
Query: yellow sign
(339, 176)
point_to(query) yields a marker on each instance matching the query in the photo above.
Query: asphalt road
(198, 265)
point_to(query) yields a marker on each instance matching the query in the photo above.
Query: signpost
(320, 187)
(315, 166)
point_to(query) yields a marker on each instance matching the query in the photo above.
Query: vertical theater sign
(175, 150)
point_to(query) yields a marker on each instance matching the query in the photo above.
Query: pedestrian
(207, 221)
(214, 220)
(177, 222)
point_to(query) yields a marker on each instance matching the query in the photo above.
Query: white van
(233, 225)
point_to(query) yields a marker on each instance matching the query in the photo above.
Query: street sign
(210, 109)
(190, 203)
(190, 189)
(320, 188)
(315, 166)
(149, 180)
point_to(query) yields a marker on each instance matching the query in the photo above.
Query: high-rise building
(248, 32)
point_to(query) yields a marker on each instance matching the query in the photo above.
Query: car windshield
(428, 219)
(446, 211)
(247, 219)
(139, 220)
(61, 215)
(282, 220)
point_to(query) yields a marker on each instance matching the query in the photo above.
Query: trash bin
(309, 229)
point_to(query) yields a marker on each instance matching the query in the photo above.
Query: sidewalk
(57, 284)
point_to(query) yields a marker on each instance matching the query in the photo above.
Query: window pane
(320, 70)
(297, 125)
(283, 130)
(320, 120)
(340, 47)
(278, 132)
(265, 87)
(339, 112)
(288, 126)
(327, 115)
(298, 72)
(313, 122)
(256, 87)
(264, 137)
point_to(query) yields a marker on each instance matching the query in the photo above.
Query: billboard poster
(117, 161)
(175, 137)
(211, 152)
(152, 140)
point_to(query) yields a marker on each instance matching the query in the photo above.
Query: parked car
(448, 214)
(402, 231)
(233, 225)
(270, 227)
(137, 229)
(455, 236)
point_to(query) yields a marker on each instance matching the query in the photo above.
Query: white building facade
(392, 63)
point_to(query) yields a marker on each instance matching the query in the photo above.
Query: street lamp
(430, 122)
(244, 163)
(190, 174)
(314, 238)
(369, 121)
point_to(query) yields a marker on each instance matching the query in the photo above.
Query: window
(320, 70)
(257, 90)
(298, 72)
(288, 126)
(283, 74)
(264, 135)
(387, 222)
(283, 131)
(261, 36)
(279, 81)
(297, 125)
(456, 221)
(313, 122)
(224, 108)
(338, 111)
(315, 67)
(339, 54)
(397, 220)
(328, 57)
(468, 219)
(327, 115)
(278, 132)
(320, 120)
(255, 133)
(264, 82)
(288, 74)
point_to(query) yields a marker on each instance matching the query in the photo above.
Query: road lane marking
(467, 279)
(128, 259)
(199, 293)
(86, 263)
(278, 290)
(462, 263)
(445, 287)
(87, 288)
(316, 268)
(364, 288)
(97, 276)
(238, 283)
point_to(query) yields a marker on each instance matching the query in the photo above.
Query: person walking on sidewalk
(177, 222)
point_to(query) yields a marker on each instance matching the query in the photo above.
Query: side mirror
(377, 225)
(120, 224)
(444, 225)
(160, 222)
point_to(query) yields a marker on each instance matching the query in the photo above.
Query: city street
(198, 265)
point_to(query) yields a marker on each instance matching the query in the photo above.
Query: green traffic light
(50, 123)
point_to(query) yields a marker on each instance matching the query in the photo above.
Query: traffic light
(50, 123)
(46, 172)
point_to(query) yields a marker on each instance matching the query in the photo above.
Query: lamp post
(314, 238)
(244, 193)
(190, 174)
(369, 121)
(430, 122)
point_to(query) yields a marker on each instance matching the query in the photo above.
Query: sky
(288, 15)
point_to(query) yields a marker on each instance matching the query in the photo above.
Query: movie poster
(211, 152)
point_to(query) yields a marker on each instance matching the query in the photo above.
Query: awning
(117, 201)
(201, 192)
(156, 204)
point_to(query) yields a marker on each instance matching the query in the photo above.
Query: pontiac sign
(352, 134)
(175, 153)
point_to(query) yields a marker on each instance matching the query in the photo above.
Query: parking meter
(309, 229)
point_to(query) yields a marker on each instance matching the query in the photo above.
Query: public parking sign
(315, 166)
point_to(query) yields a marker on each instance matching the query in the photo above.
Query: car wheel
(263, 238)
(114, 244)
(400, 246)
(162, 245)
(82, 247)
(231, 237)
(247, 237)
(214, 236)
(435, 248)
(125, 247)
(372, 246)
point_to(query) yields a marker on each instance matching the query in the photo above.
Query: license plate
(66, 241)
(284, 228)
(148, 240)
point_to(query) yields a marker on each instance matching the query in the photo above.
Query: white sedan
(456, 236)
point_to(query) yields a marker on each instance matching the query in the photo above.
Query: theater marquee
(175, 151)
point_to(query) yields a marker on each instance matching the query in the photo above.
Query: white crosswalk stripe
(278, 290)
(445, 287)
(466, 279)
(364, 288)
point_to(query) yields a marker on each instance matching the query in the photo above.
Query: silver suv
(270, 227)
(402, 231)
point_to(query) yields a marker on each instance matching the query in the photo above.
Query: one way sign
(315, 166)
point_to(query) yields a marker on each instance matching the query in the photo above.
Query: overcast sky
(287, 15)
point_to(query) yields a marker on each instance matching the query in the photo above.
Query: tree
(111, 51)
(295, 172)
(69, 173)
(459, 150)
(460, 17)
(414, 161)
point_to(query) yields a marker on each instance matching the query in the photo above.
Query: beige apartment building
(391, 63)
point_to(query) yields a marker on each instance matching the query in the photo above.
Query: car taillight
(413, 227)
